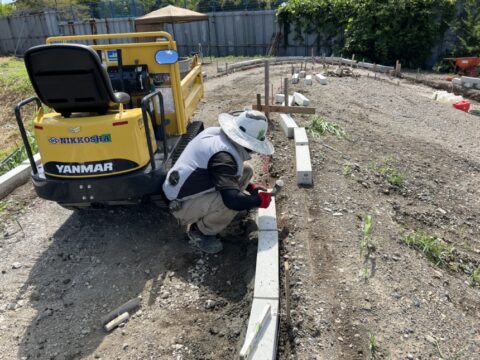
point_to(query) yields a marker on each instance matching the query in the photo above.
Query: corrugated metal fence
(18, 33)
(237, 33)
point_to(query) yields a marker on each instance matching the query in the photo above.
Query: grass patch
(18, 155)
(435, 249)
(474, 278)
(320, 127)
(14, 77)
(389, 171)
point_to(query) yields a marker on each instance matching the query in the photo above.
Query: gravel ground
(62, 271)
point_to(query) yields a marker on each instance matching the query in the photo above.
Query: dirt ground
(62, 271)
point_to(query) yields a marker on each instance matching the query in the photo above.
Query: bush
(378, 30)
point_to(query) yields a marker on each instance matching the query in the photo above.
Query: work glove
(265, 199)
(253, 189)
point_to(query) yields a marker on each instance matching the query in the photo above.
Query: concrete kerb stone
(304, 165)
(267, 286)
(321, 79)
(250, 64)
(300, 136)
(295, 78)
(266, 346)
(16, 177)
(301, 99)
(288, 125)
(308, 80)
(279, 98)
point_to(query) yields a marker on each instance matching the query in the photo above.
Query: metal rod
(23, 132)
(144, 104)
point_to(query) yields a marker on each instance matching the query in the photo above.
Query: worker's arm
(223, 169)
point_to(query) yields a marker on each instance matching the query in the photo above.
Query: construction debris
(300, 99)
(125, 308)
(116, 322)
(341, 72)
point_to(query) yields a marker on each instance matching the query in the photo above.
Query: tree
(467, 29)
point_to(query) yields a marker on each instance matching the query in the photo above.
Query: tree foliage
(467, 29)
(379, 30)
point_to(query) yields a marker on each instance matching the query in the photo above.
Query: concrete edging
(16, 177)
(267, 287)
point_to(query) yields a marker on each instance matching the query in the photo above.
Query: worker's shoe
(207, 243)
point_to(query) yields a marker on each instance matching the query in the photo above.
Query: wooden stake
(287, 292)
(285, 90)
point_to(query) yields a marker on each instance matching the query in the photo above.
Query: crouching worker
(207, 183)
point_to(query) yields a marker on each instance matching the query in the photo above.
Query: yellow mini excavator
(120, 116)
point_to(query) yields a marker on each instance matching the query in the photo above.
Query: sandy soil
(62, 271)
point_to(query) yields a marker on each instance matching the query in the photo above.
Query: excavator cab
(119, 116)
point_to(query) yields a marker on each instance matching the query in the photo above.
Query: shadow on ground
(98, 260)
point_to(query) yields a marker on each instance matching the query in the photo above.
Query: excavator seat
(70, 78)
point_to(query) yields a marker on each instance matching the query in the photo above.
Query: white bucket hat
(248, 130)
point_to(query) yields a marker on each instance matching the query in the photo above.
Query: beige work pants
(208, 211)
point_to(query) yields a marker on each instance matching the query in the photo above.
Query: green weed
(3, 206)
(372, 347)
(389, 171)
(18, 155)
(347, 170)
(432, 247)
(475, 277)
(320, 127)
(14, 77)
(367, 248)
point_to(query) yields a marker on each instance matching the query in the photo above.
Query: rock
(409, 356)
(164, 294)
(213, 331)
(337, 214)
(209, 304)
(16, 265)
(125, 346)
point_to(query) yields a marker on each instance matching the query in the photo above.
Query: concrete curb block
(301, 99)
(249, 64)
(267, 286)
(16, 177)
(304, 165)
(300, 136)
(288, 125)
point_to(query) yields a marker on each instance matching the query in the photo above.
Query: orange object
(463, 105)
(467, 65)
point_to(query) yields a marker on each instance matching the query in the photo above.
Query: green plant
(389, 171)
(372, 347)
(367, 248)
(475, 277)
(467, 29)
(18, 155)
(347, 170)
(432, 247)
(378, 30)
(320, 126)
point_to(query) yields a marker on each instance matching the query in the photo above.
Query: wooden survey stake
(267, 108)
